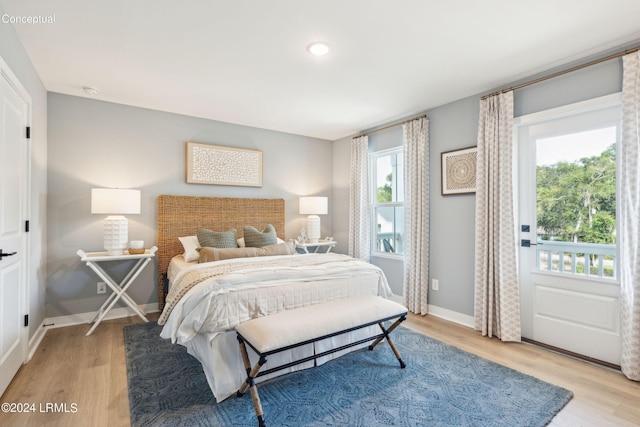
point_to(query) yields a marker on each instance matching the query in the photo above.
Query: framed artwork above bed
(219, 165)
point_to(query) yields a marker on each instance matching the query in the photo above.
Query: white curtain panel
(629, 221)
(360, 200)
(416, 214)
(497, 297)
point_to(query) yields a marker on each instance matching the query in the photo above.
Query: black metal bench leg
(250, 383)
(386, 333)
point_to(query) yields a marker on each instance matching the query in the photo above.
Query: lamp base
(313, 228)
(116, 234)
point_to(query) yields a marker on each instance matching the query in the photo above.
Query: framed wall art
(459, 171)
(219, 165)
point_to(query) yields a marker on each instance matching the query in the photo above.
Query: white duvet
(263, 286)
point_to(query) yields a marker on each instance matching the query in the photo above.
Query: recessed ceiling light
(318, 48)
(90, 90)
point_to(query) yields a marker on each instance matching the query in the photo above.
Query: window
(388, 201)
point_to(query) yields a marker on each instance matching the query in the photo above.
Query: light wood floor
(90, 372)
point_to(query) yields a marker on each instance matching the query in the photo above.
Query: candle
(137, 244)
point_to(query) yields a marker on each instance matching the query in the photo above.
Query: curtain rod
(567, 71)
(390, 126)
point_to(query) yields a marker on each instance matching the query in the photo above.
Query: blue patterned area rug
(441, 386)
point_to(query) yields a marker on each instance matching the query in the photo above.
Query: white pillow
(190, 245)
(242, 245)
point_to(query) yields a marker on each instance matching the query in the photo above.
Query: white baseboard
(35, 340)
(78, 319)
(452, 316)
(443, 313)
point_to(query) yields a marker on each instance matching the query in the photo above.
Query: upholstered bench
(301, 326)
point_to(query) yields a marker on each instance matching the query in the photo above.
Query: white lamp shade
(115, 201)
(314, 205)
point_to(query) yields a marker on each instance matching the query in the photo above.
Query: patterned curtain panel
(360, 200)
(497, 297)
(416, 214)
(629, 221)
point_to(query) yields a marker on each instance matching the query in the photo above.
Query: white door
(567, 209)
(13, 190)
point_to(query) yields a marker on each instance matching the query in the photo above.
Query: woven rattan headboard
(182, 215)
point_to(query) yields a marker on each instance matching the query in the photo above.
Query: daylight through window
(388, 201)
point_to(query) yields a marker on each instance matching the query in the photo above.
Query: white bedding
(204, 319)
(176, 265)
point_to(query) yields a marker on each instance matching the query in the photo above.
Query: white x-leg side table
(326, 246)
(93, 260)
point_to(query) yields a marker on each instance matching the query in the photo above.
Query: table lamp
(313, 206)
(115, 202)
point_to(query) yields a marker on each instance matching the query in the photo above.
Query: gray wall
(15, 57)
(452, 218)
(100, 144)
(339, 209)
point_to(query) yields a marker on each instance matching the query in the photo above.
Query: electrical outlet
(102, 288)
(435, 284)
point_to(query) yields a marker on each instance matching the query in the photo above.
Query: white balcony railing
(389, 242)
(588, 259)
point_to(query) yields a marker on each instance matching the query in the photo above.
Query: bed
(203, 302)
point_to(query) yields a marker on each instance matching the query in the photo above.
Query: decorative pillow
(217, 239)
(242, 245)
(284, 248)
(217, 254)
(190, 245)
(257, 239)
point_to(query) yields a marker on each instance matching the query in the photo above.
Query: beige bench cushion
(292, 327)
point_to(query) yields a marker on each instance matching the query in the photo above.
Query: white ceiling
(245, 61)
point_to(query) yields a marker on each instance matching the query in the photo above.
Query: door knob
(2, 254)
